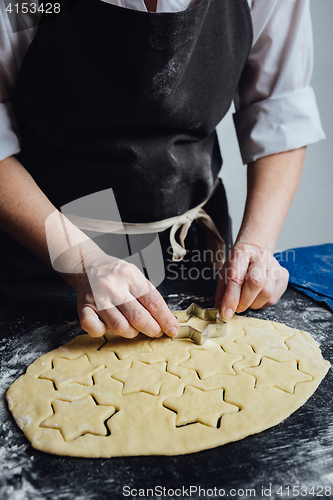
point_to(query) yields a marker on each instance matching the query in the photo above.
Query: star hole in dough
(283, 375)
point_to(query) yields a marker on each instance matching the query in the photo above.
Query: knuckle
(155, 303)
(236, 280)
(138, 280)
(255, 282)
(285, 274)
(118, 266)
(136, 317)
(119, 325)
(129, 270)
(273, 299)
(267, 292)
(280, 272)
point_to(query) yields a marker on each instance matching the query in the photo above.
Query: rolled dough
(110, 396)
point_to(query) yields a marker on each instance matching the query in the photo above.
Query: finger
(236, 273)
(221, 286)
(140, 318)
(154, 303)
(280, 287)
(91, 323)
(266, 293)
(253, 284)
(117, 322)
(138, 283)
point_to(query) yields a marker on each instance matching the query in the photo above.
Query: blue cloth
(311, 271)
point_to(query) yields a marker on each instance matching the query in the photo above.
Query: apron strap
(216, 244)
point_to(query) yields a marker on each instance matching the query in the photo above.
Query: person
(127, 94)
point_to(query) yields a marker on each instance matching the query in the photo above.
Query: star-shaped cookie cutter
(213, 330)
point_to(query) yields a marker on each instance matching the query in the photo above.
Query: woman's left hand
(250, 277)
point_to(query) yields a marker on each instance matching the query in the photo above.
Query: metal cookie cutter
(213, 330)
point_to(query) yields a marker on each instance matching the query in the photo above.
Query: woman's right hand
(126, 301)
(114, 294)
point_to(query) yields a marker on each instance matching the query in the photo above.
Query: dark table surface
(296, 453)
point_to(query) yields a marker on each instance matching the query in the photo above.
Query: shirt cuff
(278, 124)
(9, 140)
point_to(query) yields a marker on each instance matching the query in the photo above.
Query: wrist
(74, 264)
(92, 262)
(261, 241)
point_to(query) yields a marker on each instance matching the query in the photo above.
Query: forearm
(271, 185)
(29, 217)
(251, 276)
(24, 210)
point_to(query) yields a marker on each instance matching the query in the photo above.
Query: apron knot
(215, 242)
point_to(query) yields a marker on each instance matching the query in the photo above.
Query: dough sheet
(105, 397)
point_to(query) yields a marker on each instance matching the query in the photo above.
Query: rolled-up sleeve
(276, 108)
(13, 47)
(9, 137)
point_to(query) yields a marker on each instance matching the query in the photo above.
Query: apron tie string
(216, 244)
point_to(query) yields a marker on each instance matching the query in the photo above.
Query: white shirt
(275, 105)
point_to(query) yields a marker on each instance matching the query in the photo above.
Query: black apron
(109, 97)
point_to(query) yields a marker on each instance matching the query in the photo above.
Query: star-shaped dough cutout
(264, 337)
(124, 348)
(208, 362)
(195, 405)
(80, 417)
(283, 375)
(72, 371)
(143, 377)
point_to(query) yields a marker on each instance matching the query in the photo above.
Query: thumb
(91, 322)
